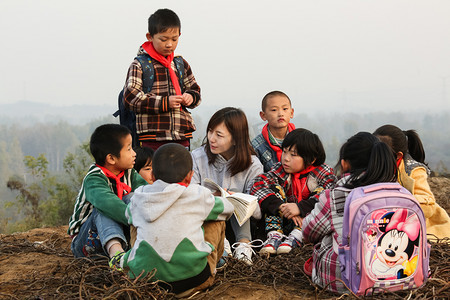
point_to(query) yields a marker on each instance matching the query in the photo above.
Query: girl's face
(221, 141)
(146, 172)
(292, 162)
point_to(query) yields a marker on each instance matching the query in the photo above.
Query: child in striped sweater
(98, 225)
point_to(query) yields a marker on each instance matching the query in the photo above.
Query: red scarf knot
(299, 183)
(120, 186)
(166, 62)
(277, 149)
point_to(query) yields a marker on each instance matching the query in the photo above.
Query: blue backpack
(384, 240)
(127, 117)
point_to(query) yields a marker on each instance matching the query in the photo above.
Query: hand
(289, 210)
(175, 101)
(187, 99)
(298, 221)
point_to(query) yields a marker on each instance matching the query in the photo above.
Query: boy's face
(292, 162)
(146, 172)
(278, 112)
(165, 42)
(127, 156)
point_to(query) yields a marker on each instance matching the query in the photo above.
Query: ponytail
(415, 146)
(402, 141)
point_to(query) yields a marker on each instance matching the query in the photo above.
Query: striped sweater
(99, 192)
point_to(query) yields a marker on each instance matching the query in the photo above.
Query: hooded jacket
(169, 219)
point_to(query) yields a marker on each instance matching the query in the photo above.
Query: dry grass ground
(38, 264)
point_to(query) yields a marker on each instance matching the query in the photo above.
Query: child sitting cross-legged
(98, 225)
(180, 226)
(289, 191)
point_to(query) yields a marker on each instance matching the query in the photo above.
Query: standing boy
(161, 109)
(98, 224)
(277, 111)
(178, 228)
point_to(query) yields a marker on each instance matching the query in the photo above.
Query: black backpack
(128, 117)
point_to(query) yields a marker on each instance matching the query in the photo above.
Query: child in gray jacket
(180, 226)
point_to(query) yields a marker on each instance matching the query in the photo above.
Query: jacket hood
(157, 198)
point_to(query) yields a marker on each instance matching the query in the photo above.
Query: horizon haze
(361, 56)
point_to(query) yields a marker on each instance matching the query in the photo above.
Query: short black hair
(163, 19)
(107, 139)
(143, 156)
(273, 94)
(171, 163)
(307, 144)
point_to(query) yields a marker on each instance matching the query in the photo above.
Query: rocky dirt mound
(38, 264)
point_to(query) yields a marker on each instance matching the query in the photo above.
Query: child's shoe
(244, 251)
(294, 240)
(308, 266)
(288, 244)
(115, 261)
(272, 243)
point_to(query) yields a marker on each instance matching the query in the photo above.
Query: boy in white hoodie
(180, 226)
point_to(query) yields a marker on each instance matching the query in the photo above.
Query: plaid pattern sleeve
(323, 227)
(319, 179)
(190, 85)
(317, 224)
(134, 97)
(264, 188)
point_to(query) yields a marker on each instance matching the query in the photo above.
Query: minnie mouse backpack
(384, 241)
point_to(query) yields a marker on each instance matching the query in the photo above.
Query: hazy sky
(370, 55)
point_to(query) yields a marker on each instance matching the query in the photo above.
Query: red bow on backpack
(410, 226)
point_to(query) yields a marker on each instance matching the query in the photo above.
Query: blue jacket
(266, 155)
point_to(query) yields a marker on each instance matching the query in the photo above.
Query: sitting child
(289, 191)
(143, 164)
(359, 162)
(413, 174)
(98, 224)
(180, 226)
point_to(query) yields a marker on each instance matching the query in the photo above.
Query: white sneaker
(244, 251)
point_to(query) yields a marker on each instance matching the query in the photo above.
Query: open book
(244, 204)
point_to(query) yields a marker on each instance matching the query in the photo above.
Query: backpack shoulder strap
(179, 65)
(148, 72)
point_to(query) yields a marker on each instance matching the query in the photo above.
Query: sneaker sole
(267, 250)
(284, 249)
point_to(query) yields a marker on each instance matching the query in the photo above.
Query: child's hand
(175, 101)
(289, 210)
(298, 221)
(187, 99)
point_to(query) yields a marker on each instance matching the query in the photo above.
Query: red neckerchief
(166, 62)
(299, 184)
(277, 149)
(183, 184)
(120, 186)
